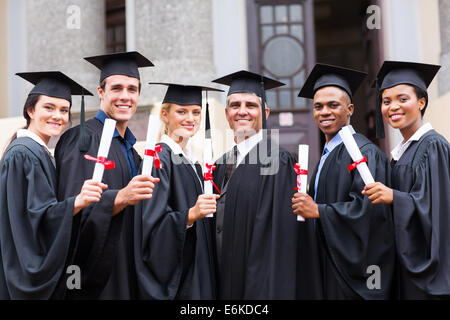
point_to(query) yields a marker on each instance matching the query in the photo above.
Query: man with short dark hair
(102, 236)
(354, 237)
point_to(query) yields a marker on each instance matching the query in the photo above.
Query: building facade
(200, 40)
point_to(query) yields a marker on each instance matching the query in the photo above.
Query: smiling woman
(420, 179)
(173, 218)
(35, 229)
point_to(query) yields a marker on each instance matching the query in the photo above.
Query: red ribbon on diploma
(299, 172)
(208, 176)
(154, 154)
(355, 164)
(102, 160)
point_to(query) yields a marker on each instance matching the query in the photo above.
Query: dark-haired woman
(35, 229)
(420, 179)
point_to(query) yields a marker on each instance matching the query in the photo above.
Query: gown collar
(176, 149)
(30, 134)
(400, 149)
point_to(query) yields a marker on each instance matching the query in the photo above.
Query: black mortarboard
(323, 75)
(393, 73)
(248, 82)
(184, 94)
(123, 63)
(53, 84)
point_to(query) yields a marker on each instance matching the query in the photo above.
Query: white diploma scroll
(152, 136)
(103, 149)
(302, 179)
(355, 154)
(207, 158)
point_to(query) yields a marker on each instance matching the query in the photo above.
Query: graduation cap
(248, 82)
(120, 63)
(324, 75)
(393, 73)
(184, 94)
(123, 63)
(54, 84)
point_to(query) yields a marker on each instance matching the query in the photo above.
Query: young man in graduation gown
(355, 238)
(102, 236)
(255, 230)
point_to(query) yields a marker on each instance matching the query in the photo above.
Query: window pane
(297, 31)
(109, 35)
(120, 33)
(271, 98)
(281, 14)
(296, 12)
(266, 14)
(285, 98)
(267, 32)
(300, 102)
(299, 79)
(283, 29)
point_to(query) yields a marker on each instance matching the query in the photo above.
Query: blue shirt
(126, 143)
(337, 140)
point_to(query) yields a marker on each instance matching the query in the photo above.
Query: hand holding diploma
(355, 154)
(379, 193)
(208, 176)
(302, 204)
(301, 169)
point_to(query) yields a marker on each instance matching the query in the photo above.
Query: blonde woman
(171, 235)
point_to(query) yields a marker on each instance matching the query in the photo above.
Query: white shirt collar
(400, 149)
(30, 134)
(176, 148)
(248, 144)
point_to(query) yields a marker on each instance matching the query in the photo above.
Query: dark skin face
(332, 110)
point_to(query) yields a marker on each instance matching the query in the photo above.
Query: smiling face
(243, 113)
(49, 117)
(182, 121)
(402, 109)
(120, 97)
(332, 110)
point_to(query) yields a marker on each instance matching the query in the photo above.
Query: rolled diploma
(103, 149)
(207, 158)
(152, 135)
(303, 151)
(355, 153)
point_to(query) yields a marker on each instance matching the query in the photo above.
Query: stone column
(444, 72)
(177, 37)
(60, 33)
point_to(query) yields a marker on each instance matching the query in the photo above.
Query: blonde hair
(164, 129)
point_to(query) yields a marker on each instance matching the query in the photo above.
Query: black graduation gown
(165, 250)
(35, 228)
(352, 233)
(421, 209)
(258, 259)
(102, 245)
